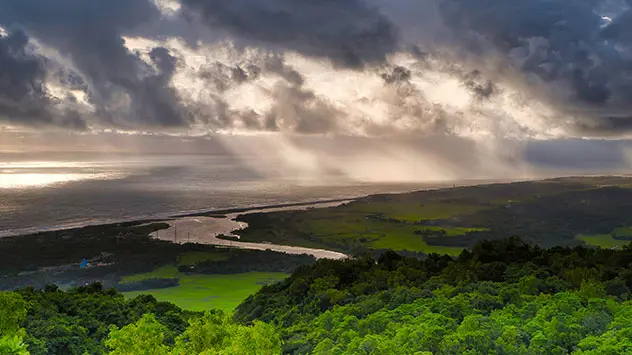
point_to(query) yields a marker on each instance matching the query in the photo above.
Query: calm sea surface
(42, 191)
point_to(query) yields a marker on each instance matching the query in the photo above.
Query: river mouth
(205, 230)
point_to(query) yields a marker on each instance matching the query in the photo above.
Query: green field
(551, 212)
(607, 240)
(602, 240)
(203, 292)
(385, 235)
(374, 225)
(403, 237)
(405, 240)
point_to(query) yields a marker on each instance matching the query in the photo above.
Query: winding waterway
(204, 230)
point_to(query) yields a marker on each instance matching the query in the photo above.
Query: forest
(91, 320)
(501, 297)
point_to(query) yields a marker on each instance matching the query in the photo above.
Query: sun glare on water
(33, 174)
(29, 180)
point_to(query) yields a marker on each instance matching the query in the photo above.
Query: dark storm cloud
(582, 64)
(154, 96)
(22, 94)
(20, 80)
(580, 51)
(620, 29)
(349, 32)
(571, 29)
(89, 32)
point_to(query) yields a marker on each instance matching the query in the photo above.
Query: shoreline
(143, 219)
(138, 220)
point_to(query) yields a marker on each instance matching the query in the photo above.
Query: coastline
(138, 220)
(143, 219)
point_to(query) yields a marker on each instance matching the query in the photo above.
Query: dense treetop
(502, 297)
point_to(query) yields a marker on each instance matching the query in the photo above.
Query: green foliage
(14, 310)
(145, 337)
(211, 333)
(78, 321)
(503, 297)
(127, 247)
(208, 332)
(13, 344)
(215, 333)
(90, 320)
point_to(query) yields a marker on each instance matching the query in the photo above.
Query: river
(204, 230)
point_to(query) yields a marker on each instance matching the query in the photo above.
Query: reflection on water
(46, 164)
(13, 180)
(16, 173)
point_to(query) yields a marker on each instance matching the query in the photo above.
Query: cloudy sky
(473, 78)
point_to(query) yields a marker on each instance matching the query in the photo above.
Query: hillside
(503, 297)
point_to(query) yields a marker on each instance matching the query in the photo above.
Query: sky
(462, 85)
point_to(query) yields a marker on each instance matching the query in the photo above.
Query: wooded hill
(502, 297)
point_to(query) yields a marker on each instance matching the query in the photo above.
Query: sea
(47, 191)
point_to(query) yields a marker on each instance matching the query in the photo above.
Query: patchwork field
(397, 225)
(383, 234)
(549, 212)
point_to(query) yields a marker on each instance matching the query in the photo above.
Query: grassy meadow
(550, 212)
(602, 241)
(393, 224)
(608, 240)
(203, 292)
(198, 292)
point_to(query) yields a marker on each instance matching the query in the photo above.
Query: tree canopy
(502, 297)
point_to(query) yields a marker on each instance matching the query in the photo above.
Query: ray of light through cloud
(434, 84)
